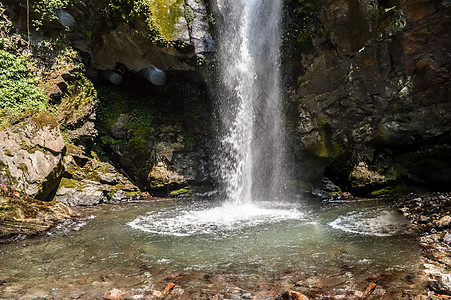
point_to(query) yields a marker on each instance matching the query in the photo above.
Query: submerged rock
(115, 294)
(441, 284)
(444, 221)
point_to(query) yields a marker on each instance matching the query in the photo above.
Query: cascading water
(250, 108)
(251, 134)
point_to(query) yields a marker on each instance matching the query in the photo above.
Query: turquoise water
(132, 245)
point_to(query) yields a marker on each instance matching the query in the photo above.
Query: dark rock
(117, 129)
(377, 82)
(441, 284)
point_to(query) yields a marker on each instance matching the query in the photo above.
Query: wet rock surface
(368, 100)
(229, 286)
(23, 215)
(431, 216)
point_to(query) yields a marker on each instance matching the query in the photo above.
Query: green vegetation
(162, 17)
(18, 86)
(306, 21)
(390, 191)
(47, 10)
(140, 124)
(142, 115)
(390, 9)
(326, 147)
(189, 14)
(187, 190)
(115, 11)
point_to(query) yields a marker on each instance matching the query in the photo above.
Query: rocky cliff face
(370, 104)
(128, 87)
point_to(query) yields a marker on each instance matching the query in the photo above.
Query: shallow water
(132, 245)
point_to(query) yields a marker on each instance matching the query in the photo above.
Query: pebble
(447, 238)
(444, 221)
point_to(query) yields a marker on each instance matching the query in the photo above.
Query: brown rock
(24, 215)
(115, 294)
(292, 295)
(168, 289)
(444, 221)
(369, 290)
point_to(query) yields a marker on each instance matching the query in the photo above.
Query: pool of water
(136, 244)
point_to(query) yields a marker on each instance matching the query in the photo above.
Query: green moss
(109, 140)
(306, 22)
(77, 101)
(390, 191)
(185, 191)
(156, 184)
(44, 119)
(142, 113)
(112, 104)
(166, 15)
(189, 14)
(68, 183)
(140, 124)
(326, 147)
(23, 167)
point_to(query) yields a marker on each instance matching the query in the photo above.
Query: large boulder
(89, 181)
(31, 155)
(20, 214)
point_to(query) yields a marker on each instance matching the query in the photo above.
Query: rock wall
(369, 103)
(127, 83)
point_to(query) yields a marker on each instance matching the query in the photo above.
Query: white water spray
(252, 139)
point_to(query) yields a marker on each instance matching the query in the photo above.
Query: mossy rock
(166, 16)
(20, 214)
(326, 147)
(390, 191)
(185, 191)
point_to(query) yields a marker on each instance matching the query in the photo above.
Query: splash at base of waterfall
(219, 220)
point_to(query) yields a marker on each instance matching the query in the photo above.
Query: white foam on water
(376, 222)
(218, 220)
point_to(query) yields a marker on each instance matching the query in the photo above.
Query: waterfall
(252, 140)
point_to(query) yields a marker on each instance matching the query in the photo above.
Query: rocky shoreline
(430, 215)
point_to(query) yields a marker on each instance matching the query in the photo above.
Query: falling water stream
(250, 106)
(254, 239)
